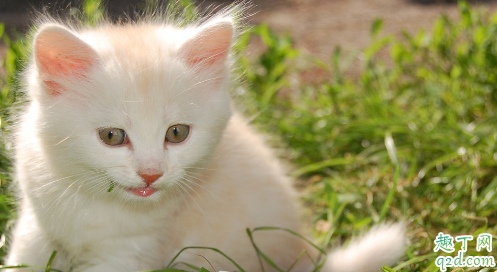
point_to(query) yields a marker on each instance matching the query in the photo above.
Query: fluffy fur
(144, 78)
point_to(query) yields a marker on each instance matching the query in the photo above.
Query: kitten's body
(222, 179)
(212, 214)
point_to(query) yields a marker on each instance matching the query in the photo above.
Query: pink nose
(150, 178)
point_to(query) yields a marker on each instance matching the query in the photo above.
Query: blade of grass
(415, 260)
(322, 252)
(316, 265)
(320, 165)
(387, 269)
(213, 269)
(2, 267)
(296, 260)
(209, 248)
(336, 217)
(291, 232)
(172, 269)
(389, 199)
(49, 264)
(261, 254)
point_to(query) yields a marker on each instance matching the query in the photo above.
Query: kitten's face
(133, 121)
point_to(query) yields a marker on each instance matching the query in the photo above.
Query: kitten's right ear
(59, 54)
(209, 47)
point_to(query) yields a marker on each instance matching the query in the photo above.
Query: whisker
(199, 83)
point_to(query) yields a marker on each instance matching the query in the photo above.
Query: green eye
(113, 136)
(177, 133)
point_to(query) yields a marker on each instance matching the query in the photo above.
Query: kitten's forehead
(136, 47)
(142, 60)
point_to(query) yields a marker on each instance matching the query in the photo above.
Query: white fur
(382, 245)
(220, 181)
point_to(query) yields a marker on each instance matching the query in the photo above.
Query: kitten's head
(134, 109)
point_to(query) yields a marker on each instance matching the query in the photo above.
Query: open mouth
(142, 191)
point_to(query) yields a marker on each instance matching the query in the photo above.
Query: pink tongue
(144, 191)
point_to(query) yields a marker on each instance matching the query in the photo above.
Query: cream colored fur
(223, 179)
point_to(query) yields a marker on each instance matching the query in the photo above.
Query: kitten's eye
(177, 133)
(113, 136)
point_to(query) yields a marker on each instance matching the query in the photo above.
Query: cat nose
(150, 177)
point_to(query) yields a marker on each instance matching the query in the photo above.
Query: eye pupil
(110, 135)
(175, 131)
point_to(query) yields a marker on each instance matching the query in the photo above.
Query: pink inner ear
(210, 57)
(60, 54)
(55, 64)
(210, 46)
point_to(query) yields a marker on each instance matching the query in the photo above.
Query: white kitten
(129, 152)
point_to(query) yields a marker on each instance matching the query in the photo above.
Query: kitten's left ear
(60, 54)
(210, 46)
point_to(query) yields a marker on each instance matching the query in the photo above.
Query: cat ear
(59, 54)
(210, 46)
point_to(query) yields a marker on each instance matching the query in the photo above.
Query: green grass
(411, 136)
(427, 110)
